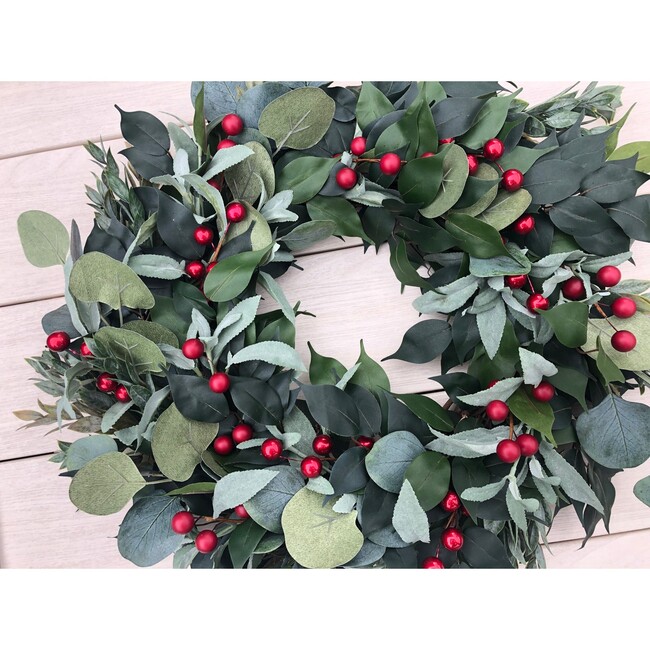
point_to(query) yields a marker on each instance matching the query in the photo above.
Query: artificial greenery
(162, 307)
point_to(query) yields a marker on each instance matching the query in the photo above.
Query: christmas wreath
(512, 220)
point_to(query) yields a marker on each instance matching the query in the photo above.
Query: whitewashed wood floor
(43, 166)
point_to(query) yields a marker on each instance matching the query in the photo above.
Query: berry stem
(530, 284)
(599, 309)
(511, 428)
(217, 250)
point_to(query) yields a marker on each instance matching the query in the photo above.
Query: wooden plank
(623, 551)
(35, 116)
(41, 528)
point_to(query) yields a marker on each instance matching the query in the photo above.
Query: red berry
(322, 445)
(528, 444)
(512, 180)
(544, 392)
(497, 410)
(209, 267)
(193, 348)
(206, 541)
(537, 301)
(516, 281)
(271, 448)
(241, 512)
(445, 141)
(358, 146)
(122, 394)
(365, 442)
(493, 149)
(574, 289)
(58, 341)
(182, 522)
(472, 163)
(524, 224)
(608, 276)
(452, 539)
(242, 432)
(427, 154)
(85, 350)
(223, 445)
(492, 382)
(390, 164)
(311, 467)
(203, 235)
(106, 383)
(219, 382)
(235, 212)
(214, 182)
(508, 451)
(232, 124)
(346, 178)
(432, 563)
(623, 341)
(195, 269)
(450, 502)
(624, 308)
(226, 144)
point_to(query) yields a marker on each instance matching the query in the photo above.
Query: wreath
(512, 220)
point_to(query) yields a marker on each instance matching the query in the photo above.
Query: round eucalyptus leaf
(483, 173)
(247, 178)
(44, 238)
(454, 175)
(136, 351)
(506, 208)
(315, 535)
(153, 331)
(639, 325)
(260, 234)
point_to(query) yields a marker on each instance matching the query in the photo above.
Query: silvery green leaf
(289, 438)
(297, 421)
(275, 291)
(546, 266)
(548, 493)
(175, 357)
(184, 556)
(586, 280)
(71, 302)
(283, 256)
(274, 352)
(559, 276)
(483, 493)
(409, 519)
(512, 301)
(183, 141)
(280, 201)
(468, 444)
(153, 403)
(514, 264)
(497, 283)
(517, 511)
(368, 555)
(542, 331)
(502, 390)
(491, 325)
(210, 193)
(177, 184)
(484, 301)
(530, 505)
(448, 298)
(360, 194)
(181, 163)
(321, 485)
(632, 287)
(594, 263)
(345, 503)
(237, 319)
(114, 413)
(157, 266)
(250, 444)
(147, 229)
(537, 471)
(524, 320)
(226, 158)
(346, 159)
(535, 367)
(237, 487)
(127, 436)
(571, 482)
(269, 544)
(200, 324)
(343, 382)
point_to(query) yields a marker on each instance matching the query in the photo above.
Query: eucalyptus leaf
(44, 238)
(409, 519)
(238, 487)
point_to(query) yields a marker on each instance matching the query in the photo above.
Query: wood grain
(37, 116)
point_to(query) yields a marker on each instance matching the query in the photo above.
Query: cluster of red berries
(510, 451)
(231, 125)
(498, 410)
(511, 179)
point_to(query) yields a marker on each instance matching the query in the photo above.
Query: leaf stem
(217, 250)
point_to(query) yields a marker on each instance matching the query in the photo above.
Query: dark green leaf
(428, 410)
(257, 400)
(633, 216)
(475, 237)
(333, 409)
(537, 415)
(572, 382)
(642, 490)
(483, 549)
(467, 473)
(338, 210)
(324, 370)
(429, 476)
(423, 342)
(377, 508)
(420, 179)
(369, 374)
(244, 541)
(195, 400)
(372, 105)
(550, 181)
(145, 132)
(176, 225)
(349, 471)
(305, 176)
(232, 275)
(612, 183)
(569, 322)
(148, 166)
(454, 116)
(404, 271)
